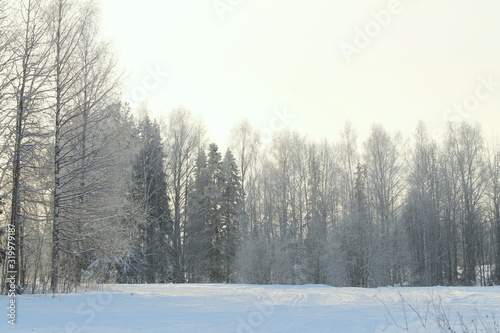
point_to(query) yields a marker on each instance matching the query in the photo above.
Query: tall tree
(286, 206)
(358, 234)
(30, 133)
(3, 248)
(422, 211)
(96, 104)
(383, 157)
(150, 191)
(349, 161)
(322, 206)
(494, 198)
(245, 144)
(65, 26)
(183, 142)
(232, 212)
(8, 34)
(450, 209)
(465, 146)
(82, 83)
(198, 237)
(213, 219)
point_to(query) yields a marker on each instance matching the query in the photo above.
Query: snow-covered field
(254, 308)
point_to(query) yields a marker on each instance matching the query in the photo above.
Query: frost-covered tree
(3, 251)
(421, 212)
(286, 205)
(8, 34)
(151, 194)
(65, 29)
(493, 191)
(449, 215)
(110, 209)
(349, 158)
(212, 234)
(321, 240)
(30, 146)
(213, 219)
(231, 207)
(385, 179)
(465, 149)
(185, 136)
(198, 240)
(245, 144)
(357, 236)
(96, 106)
(82, 84)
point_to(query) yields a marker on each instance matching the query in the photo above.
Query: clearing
(220, 308)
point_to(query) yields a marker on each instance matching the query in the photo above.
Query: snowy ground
(252, 308)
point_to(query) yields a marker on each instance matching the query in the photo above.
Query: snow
(222, 308)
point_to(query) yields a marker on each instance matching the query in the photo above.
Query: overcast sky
(311, 65)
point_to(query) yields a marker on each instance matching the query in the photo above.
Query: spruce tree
(150, 191)
(197, 236)
(214, 214)
(231, 213)
(357, 234)
(212, 235)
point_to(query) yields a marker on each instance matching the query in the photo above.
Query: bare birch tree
(383, 156)
(29, 165)
(493, 191)
(422, 211)
(184, 139)
(83, 82)
(465, 146)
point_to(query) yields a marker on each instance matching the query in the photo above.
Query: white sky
(266, 56)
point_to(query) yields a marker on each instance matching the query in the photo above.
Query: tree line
(96, 194)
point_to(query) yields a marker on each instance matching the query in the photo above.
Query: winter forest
(98, 192)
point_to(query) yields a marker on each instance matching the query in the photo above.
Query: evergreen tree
(316, 239)
(214, 223)
(197, 238)
(214, 214)
(358, 233)
(231, 211)
(150, 190)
